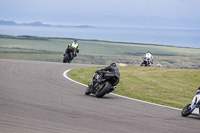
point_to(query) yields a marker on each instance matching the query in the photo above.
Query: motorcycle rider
(149, 56)
(74, 46)
(108, 71)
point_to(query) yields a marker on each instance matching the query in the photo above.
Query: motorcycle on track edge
(192, 108)
(99, 89)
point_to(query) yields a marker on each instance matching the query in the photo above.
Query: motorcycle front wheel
(65, 59)
(186, 110)
(145, 63)
(87, 91)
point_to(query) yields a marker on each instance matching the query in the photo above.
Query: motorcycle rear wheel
(186, 110)
(105, 89)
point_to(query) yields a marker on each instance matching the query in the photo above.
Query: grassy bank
(171, 87)
(96, 52)
(92, 47)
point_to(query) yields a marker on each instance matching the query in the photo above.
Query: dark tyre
(186, 111)
(146, 64)
(65, 59)
(87, 91)
(105, 89)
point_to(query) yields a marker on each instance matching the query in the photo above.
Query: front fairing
(96, 76)
(195, 104)
(145, 59)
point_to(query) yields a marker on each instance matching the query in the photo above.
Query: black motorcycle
(68, 56)
(107, 84)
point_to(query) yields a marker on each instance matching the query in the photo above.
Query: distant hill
(3, 22)
(35, 24)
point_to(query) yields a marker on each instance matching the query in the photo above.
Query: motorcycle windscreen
(196, 99)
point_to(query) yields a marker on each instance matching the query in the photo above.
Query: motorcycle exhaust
(114, 87)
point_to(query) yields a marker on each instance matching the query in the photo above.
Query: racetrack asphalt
(36, 98)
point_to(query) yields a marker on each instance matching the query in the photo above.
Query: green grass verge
(93, 47)
(96, 52)
(171, 87)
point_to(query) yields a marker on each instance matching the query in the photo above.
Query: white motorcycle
(192, 108)
(147, 60)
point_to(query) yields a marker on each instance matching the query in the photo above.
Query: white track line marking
(65, 75)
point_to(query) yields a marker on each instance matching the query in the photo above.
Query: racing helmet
(113, 64)
(75, 41)
(149, 52)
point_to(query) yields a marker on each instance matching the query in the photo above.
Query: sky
(130, 13)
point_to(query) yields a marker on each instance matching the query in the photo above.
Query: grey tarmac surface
(36, 98)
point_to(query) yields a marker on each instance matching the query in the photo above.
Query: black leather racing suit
(109, 72)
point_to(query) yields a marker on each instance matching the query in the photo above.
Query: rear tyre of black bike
(105, 89)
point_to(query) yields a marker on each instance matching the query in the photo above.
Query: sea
(179, 37)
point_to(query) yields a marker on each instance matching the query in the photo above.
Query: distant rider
(74, 46)
(149, 56)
